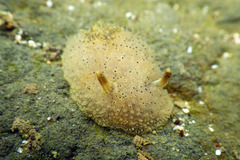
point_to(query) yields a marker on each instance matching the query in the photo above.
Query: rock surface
(198, 40)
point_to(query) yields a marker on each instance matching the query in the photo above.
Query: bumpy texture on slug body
(110, 72)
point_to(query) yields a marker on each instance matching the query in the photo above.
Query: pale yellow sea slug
(114, 79)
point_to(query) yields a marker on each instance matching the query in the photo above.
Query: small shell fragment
(19, 150)
(139, 142)
(185, 110)
(143, 156)
(218, 152)
(182, 104)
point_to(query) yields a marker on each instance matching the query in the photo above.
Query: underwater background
(199, 40)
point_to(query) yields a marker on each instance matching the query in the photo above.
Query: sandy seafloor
(199, 40)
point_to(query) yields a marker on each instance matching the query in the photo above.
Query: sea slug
(114, 79)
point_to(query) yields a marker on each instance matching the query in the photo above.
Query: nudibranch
(114, 79)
